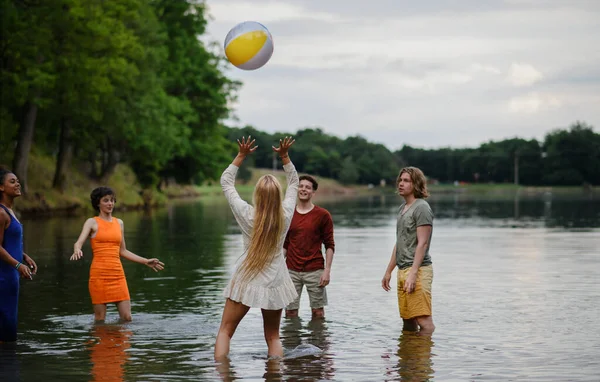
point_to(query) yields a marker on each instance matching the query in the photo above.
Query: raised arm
(242, 211)
(289, 201)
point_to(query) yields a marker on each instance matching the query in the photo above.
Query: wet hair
(418, 180)
(315, 185)
(98, 193)
(3, 173)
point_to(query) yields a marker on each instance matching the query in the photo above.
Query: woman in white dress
(260, 278)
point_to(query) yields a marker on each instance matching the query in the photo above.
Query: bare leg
(426, 325)
(291, 313)
(318, 313)
(271, 322)
(124, 308)
(410, 325)
(99, 313)
(232, 315)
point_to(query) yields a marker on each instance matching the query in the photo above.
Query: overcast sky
(428, 73)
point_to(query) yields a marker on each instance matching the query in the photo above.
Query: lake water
(515, 298)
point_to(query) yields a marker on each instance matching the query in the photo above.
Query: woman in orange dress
(107, 279)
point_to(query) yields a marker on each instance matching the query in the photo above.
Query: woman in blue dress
(14, 263)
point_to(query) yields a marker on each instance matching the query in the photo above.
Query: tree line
(96, 83)
(569, 156)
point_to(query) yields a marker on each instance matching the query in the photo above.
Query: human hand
(410, 283)
(245, 146)
(284, 146)
(155, 264)
(77, 254)
(385, 281)
(32, 265)
(325, 278)
(24, 271)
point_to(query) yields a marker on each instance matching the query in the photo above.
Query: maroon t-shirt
(303, 242)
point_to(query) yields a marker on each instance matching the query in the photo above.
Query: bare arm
(385, 282)
(4, 255)
(124, 252)
(423, 235)
(328, 240)
(89, 226)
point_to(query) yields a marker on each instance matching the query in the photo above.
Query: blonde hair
(418, 179)
(269, 224)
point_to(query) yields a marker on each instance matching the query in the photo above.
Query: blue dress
(9, 280)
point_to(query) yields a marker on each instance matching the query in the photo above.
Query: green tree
(349, 173)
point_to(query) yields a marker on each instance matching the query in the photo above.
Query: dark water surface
(516, 297)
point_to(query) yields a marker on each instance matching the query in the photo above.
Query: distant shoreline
(42, 200)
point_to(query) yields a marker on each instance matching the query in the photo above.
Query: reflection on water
(109, 352)
(10, 363)
(509, 274)
(310, 362)
(414, 357)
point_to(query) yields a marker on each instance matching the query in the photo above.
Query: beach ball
(249, 45)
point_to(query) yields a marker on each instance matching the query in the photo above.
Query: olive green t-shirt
(418, 214)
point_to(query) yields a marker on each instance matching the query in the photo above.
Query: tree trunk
(93, 167)
(24, 143)
(109, 161)
(65, 152)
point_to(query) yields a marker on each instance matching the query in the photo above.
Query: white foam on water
(303, 350)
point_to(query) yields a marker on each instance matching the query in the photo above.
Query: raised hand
(284, 146)
(245, 145)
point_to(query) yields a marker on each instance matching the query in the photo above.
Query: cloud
(272, 11)
(523, 75)
(533, 103)
(421, 73)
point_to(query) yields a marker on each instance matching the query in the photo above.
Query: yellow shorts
(417, 303)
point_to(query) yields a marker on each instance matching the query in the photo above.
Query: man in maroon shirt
(311, 228)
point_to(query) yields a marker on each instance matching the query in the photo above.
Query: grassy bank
(507, 189)
(42, 199)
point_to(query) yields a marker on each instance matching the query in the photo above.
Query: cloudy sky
(428, 73)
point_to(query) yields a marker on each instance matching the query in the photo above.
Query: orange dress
(107, 277)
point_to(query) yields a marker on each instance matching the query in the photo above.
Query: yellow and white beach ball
(249, 45)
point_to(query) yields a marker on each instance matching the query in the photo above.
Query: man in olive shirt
(411, 253)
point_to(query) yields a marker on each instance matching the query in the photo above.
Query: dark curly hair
(98, 193)
(3, 173)
(315, 185)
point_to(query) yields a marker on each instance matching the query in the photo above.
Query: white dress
(272, 288)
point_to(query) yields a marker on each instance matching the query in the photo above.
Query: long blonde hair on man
(269, 224)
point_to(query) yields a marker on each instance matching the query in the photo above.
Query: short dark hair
(98, 193)
(310, 179)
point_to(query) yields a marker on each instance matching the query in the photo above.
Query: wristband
(285, 156)
(18, 265)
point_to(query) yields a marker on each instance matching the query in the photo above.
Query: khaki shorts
(317, 296)
(417, 303)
